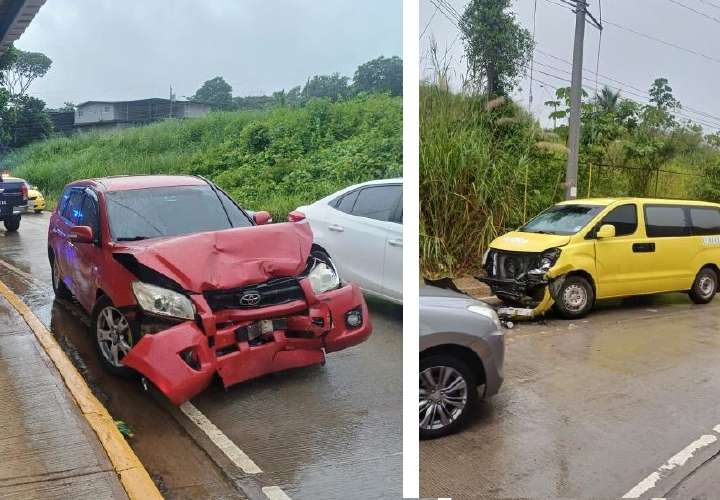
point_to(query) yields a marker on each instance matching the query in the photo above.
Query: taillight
(24, 191)
(296, 216)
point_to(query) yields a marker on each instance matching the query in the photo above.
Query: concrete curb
(134, 478)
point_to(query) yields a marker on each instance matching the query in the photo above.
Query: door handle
(395, 243)
(336, 228)
(643, 247)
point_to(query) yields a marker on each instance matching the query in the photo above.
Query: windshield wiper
(133, 238)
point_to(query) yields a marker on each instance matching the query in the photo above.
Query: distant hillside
(273, 160)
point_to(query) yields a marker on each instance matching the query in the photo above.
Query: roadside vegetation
(487, 165)
(270, 160)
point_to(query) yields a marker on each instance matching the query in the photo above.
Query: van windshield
(562, 219)
(140, 214)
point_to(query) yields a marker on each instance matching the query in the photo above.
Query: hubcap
(575, 297)
(443, 396)
(706, 286)
(113, 335)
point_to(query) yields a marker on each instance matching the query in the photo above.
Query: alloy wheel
(443, 396)
(114, 336)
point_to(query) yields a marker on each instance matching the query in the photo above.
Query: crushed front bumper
(182, 360)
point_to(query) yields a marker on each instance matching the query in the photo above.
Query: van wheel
(113, 336)
(59, 287)
(448, 393)
(705, 286)
(12, 223)
(575, 298)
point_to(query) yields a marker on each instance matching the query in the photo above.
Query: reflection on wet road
(590, 407)
(320, 432)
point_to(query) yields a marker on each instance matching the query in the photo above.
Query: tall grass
(273, 160)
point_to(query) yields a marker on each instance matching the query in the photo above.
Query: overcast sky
(131, 49)
(624, 56)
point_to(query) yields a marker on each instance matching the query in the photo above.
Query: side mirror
(81, 234)
(606, 231)
(262, 217)
(296, 216)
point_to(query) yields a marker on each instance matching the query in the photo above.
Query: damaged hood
(217, 260)
(517, 241)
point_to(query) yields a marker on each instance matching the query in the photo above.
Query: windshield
(562, 219)
(139, 214)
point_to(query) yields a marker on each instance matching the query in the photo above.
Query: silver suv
(462, 347)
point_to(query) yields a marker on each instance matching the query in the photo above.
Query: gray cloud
(111, 49)
(624, 56)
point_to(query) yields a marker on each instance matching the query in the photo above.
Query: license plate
(260, 328)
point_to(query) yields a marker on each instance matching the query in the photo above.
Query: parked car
(36, 201)
(582, 250)
(13, 201)
(182, 284)
(462, 351)
(361, 228)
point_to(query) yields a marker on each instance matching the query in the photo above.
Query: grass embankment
(274, 160)
(487, 167)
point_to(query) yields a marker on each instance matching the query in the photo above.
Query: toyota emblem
(249, 298)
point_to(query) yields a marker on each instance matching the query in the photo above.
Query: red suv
(182, 283)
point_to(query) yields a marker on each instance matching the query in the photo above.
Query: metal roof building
(15, 16)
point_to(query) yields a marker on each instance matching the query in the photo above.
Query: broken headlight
(547, 259)
(157, 300)
(323, 276)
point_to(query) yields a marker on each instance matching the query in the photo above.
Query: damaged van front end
(520, 272)
(239, 303)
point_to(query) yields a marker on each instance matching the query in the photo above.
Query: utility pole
(573, 145)
(571, 172)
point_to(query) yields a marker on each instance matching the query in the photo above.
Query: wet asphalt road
(320, 432)
(592, 407)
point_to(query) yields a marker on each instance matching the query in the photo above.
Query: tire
(464, 395)
(575, 298)
(12, 223)
(59, 287)
(112, 343)
(704, 287)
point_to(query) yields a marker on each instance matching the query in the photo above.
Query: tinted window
(168, 211)
(237, 217)
(89, 215)
(398, 217)
(705, 220)
(62, 203)
(665, 221)
(624, 219)
(377, 202)
(346, 202)
(73, 207)
(562, 219)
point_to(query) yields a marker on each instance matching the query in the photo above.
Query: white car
(360, 227)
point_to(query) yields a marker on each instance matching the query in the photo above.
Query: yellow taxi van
(579, 251)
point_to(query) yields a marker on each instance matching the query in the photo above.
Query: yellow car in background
(36, 201)
(582, 250)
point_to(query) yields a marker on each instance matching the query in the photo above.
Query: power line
(692, 9)
(428, 23)
(649, 37)
(711, 4)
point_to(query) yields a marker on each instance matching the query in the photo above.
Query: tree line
(380, 75)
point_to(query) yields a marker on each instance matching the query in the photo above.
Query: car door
(65, 257)
(393, 270)
(620, 263)
(357, 239)
(668, 245)
(87, 255)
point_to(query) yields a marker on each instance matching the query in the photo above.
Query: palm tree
(607, 100)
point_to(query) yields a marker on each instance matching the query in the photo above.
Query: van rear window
(705, 220)
(666, 220)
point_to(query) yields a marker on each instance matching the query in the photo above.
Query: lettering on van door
(711, 240)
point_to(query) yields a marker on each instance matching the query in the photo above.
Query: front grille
(273, 292)
(510, 265)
